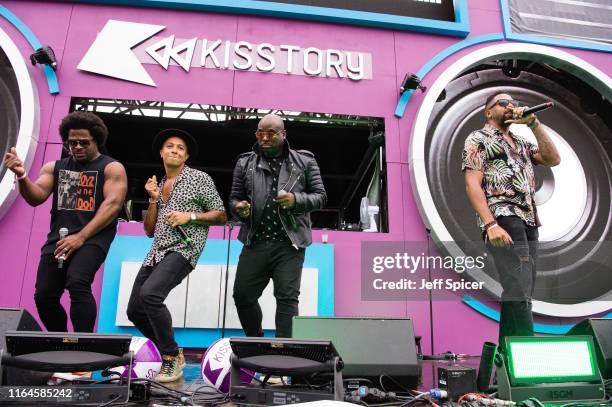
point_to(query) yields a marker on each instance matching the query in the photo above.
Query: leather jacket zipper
(278, 208)
(252, 208)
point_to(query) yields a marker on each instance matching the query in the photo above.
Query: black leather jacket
(299, 174)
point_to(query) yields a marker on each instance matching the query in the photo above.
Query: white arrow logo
(111, 53)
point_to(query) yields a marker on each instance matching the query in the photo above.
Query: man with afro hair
(88, 191)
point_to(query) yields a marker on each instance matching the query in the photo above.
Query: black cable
(394, 381)
(110, 402)
(230, 225)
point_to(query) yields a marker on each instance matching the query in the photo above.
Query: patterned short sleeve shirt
(509, 180)
(193, 191)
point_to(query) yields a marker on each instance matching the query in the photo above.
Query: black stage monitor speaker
(369, 347)
(601, 331)
(18, 319)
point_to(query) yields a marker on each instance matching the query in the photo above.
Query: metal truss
(216, 113)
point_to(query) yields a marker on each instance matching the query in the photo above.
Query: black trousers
(259, 263)
(146, 308)
(517, 273)
(76, 276)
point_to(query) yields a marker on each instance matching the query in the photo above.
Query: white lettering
(247, 57)
(290, 50)
(266, 56)
(227, 52)
(209, 52)
(307, 59)
(334, 60)
(355, 72)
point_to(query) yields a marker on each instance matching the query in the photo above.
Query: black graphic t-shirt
(77, 196)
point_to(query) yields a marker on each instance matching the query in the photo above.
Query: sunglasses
(505, 102)
(270, 134)
(82, 143)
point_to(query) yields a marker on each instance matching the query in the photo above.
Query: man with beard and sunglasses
(274, 189)
(500, 184)
(88, 192)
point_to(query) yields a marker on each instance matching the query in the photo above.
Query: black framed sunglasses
(505, 103)
(82, 143)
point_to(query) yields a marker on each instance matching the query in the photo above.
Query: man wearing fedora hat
(181, 208)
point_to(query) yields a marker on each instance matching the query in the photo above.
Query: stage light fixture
(411, 81)
(44, 56)
(552, 369)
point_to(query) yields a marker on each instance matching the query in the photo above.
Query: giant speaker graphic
(19, 114)
(573, 199)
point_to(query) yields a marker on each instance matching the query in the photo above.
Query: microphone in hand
(290, 216)
(63, 232)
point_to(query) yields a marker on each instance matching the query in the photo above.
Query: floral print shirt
(509, 181)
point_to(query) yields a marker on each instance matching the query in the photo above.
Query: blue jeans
(517, 272)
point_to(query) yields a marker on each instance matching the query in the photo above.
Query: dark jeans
(259, 263)
(517, 273)
(146, 308)
(76, 276)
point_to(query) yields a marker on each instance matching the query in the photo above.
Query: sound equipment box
(601, 331)
(374, 348)
(19, 319)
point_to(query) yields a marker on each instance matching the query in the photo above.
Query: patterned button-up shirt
(271, 227)
(509, 181)
(193, 191)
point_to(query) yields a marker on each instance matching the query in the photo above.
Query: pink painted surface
(74, 28)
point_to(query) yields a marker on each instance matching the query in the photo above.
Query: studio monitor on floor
(374, 348)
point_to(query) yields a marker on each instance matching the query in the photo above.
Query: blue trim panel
(537, 39)
(459, 28)
(539, 328)
(135, 248)
(445, 53)
(34, 43)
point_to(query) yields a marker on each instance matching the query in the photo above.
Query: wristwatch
(193, 217)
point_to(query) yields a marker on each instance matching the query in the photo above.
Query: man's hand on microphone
(286, 200)
(243, 208)
(517, 116)
(68, 245)
(176, 218)
(14, 163)
(499, 237)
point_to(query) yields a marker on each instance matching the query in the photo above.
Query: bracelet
(25, 174)
(534, 124)
(490, 225)
(153, 202)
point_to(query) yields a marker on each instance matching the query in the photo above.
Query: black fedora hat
(162, 136)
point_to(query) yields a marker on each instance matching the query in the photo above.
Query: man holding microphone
(181, 209)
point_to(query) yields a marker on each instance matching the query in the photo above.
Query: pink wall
(70, 29)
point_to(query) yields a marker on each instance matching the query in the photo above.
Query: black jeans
(517, 273)
(146, 308)
(259, 263)
(76, 276)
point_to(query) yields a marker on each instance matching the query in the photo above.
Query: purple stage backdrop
(71, 29)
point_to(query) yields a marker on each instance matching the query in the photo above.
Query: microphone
(63, 232)
(289, 215)
(537, 108)
(183, 234)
